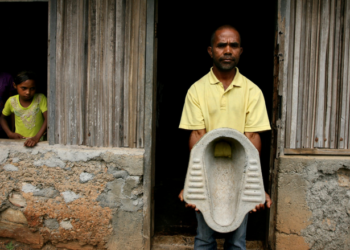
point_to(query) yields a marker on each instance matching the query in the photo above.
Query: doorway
(183, 33)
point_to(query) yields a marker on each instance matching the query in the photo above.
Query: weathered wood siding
(316, 73)
(100, 73)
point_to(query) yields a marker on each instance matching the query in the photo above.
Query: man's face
(226, 49)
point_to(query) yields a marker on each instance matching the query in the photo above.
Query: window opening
(23, 46)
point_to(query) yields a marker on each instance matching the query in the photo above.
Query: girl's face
(26, 90)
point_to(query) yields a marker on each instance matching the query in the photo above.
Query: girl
(30, 111)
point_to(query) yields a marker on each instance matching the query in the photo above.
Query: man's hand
(262, 206)
(181, 197)
(15, 136)
(31, 142)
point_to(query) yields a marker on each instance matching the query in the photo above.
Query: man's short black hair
(226, 26)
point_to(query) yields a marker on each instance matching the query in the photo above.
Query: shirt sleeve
(192, 116)
(257, 119)
(7, 108)
(43, 103)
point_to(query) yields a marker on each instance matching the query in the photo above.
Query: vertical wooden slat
(306, 79)
(110, 69)
(322, 52)
(312, 83)
(150, 91)
(335, 77)
(295, 81)
(330, 72)
(133, 73)
(290, 63)
(59, 62)
(301, 69)
(127, 57)
(91, 91)
(98, 128)
(119, 76)
(52, 72)
(284, 36)
(344, 113)
(141, 76)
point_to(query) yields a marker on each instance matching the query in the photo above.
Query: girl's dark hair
(24, 76)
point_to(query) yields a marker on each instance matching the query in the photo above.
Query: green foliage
(10, 246)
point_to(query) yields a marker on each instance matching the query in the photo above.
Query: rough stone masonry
(71, 197)
(313, 204)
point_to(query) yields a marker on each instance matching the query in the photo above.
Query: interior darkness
(24, 36)
(184, 32)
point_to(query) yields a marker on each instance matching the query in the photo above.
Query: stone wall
(71, 197)
(313, 205)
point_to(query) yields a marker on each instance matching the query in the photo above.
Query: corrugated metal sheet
(318, 80)
(100, 78)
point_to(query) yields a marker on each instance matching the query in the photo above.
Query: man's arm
(255, 139)
(195, 136)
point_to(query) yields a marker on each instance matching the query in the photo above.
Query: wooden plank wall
(318, 75)
(100, 73)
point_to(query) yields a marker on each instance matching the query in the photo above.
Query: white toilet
(224, 178)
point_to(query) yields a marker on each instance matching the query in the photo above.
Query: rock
(15, 160)
(17, 200)
(52, 163)
(29, 188)
(85, 177)
(10, 167)
(4, 154)
(70, 196)
(74, 246)
(51, 223)
(15, 216)
(66, 225)
(49, 192)
(21, 233)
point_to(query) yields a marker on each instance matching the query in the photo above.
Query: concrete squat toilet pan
(224, 178)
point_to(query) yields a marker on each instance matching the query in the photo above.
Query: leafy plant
(10, 246)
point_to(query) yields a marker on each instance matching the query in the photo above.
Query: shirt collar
(236, 80)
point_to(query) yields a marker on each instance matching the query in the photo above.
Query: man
(224, 98)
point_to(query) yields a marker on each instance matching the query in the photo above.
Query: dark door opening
(183, 36)
(24, 39)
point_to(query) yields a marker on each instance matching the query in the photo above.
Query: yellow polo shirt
(241, 106)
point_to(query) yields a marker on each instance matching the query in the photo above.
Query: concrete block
(226, 188)
(112, 195)
(10, 167)
(127, 227)
(131, 162)
(130, 183)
